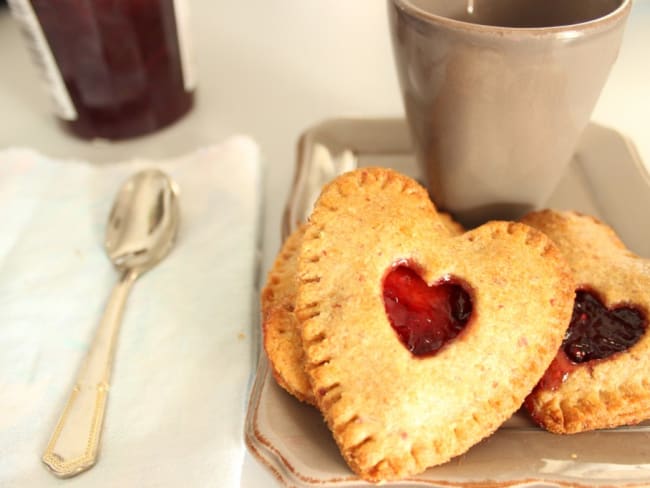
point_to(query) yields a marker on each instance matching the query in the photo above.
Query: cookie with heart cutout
(281, 336)
(419, 344)
(600, 377)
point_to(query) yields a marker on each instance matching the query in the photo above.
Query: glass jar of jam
(114, 68)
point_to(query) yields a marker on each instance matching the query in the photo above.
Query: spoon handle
(74, 444)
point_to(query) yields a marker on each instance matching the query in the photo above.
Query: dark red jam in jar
(121, 62)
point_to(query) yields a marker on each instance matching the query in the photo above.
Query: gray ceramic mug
(498, 92)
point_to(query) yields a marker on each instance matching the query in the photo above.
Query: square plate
(607, 179)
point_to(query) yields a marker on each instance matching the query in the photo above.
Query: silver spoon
(141, 231)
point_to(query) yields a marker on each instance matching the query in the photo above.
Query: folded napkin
(180, 378)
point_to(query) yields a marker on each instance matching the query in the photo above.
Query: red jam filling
(120, 61)
(594, 333)
(424, 317)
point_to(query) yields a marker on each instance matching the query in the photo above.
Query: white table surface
(271, 69)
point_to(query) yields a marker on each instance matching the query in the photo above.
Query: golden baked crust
(282, 341)
(392, 414)
(616, 390)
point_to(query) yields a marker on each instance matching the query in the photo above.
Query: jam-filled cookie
(419, 344)
(601, 375)
(281, 336)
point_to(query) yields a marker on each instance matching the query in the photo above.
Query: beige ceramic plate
(607, 179)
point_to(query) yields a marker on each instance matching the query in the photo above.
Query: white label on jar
(183, 32)
(42, 54)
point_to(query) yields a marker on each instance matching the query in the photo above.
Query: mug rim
(604, 20)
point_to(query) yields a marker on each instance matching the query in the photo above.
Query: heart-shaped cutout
(596, 332)
(425, 317)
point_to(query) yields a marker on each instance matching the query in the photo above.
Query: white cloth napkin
(180, 378)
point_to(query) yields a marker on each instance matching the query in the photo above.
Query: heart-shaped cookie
(601, 375)
(281, 336)
(393, 412)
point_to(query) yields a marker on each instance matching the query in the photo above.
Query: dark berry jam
(424, 317)
(120, 62)
(596, 332)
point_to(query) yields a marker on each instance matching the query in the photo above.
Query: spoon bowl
(143, 223)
